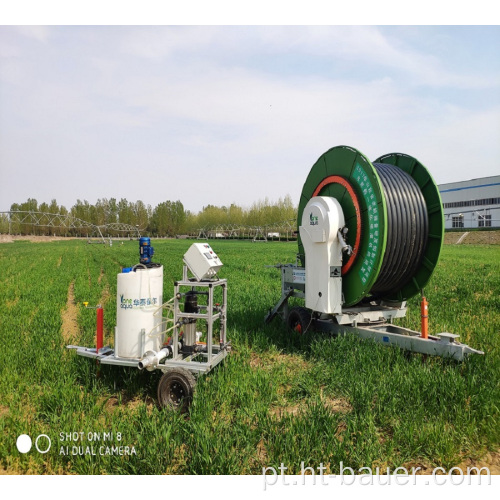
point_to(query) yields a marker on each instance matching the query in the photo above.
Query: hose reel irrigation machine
(370, 235)
(153, 335)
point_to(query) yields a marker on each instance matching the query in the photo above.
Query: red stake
(425, 318)
(100, 328)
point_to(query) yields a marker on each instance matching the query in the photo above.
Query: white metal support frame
(214, 353)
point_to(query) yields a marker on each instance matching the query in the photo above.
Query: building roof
(493, 180)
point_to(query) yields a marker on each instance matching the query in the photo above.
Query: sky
(221, 114)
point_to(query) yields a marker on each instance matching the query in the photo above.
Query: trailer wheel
(299, 319)
(175, 389)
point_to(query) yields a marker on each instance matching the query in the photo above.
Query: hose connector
(151, 359)
(345, 247)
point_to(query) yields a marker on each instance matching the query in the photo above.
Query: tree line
(167, 219)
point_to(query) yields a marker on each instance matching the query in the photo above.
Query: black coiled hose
(407, 229)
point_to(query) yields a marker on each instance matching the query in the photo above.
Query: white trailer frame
(372, 321)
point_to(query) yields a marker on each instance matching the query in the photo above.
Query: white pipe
(151, 360)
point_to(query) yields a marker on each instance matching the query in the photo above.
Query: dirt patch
(261, 452)
(33, 468)
(340, 431)
(260, 459)
(179, 461)
(8, 238)
(482, 238)
(255, 361)
(490, 460)
(112, 403)
(472, 238)
(452, 238)
(69, 316)
(105, 299)
(336, 405)
(468, 466)
(106, 295)
(280, 412)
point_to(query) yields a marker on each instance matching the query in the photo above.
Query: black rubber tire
(175, 389)
(299, 320)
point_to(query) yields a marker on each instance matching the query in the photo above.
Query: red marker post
(424, 308)
(100, 329)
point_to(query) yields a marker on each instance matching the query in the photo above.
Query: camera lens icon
(42, 443)
(23, 443)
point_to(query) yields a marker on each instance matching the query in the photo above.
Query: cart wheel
(299, 319)
(175, 389)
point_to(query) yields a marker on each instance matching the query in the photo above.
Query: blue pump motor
(146, 251)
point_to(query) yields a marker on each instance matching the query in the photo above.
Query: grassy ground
(278, 398)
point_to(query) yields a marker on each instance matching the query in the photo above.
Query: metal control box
(202, 261)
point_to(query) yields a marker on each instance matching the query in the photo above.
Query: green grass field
(278, 398)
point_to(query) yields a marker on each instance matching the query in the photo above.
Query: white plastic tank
(139, 296)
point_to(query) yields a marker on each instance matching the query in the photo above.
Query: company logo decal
(137, 303)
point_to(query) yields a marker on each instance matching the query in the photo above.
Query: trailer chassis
(373, 321)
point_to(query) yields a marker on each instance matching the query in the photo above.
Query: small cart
(188, 337)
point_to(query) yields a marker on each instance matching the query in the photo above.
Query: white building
(471, 204)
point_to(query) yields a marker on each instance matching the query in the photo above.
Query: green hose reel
(347, 175)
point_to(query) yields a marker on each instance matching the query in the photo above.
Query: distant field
(278, 398)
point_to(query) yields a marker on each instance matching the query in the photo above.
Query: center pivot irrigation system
(370, 235)
(183, 337)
